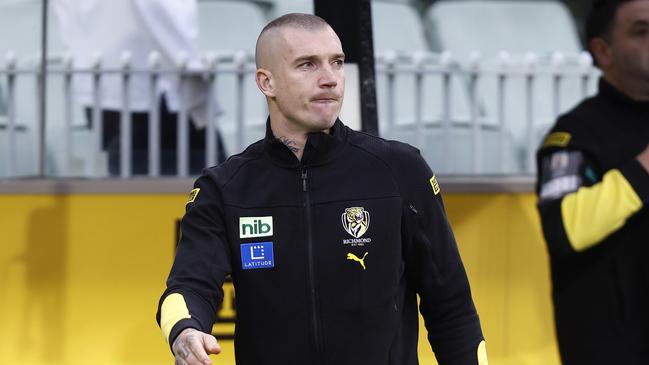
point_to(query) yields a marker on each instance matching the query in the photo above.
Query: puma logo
(351, 256)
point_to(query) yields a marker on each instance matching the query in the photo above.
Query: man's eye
(338, 62)
(306, 65)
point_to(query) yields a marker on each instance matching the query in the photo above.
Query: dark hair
(298, 20)
(601, 17)
(599, 21)
(295, 20)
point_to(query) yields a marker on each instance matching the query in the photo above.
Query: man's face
(629, 44)
(308, 78)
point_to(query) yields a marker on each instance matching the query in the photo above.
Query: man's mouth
(325, 100)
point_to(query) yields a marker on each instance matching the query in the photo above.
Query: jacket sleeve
(578, 207)
(194, 287)
(435, 270)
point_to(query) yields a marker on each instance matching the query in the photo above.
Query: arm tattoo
(183, 352)
(182, 347)
(186, 345)
(288, 143)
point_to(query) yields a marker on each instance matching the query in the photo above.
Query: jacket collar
(320, 147)
(610, 92)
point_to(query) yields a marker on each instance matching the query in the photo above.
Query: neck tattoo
(289, 143)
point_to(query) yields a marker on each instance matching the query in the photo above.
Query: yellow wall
(505, 257)
(80, 276)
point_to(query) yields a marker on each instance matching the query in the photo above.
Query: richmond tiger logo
(356, 221)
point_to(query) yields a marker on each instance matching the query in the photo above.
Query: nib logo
(255, 226)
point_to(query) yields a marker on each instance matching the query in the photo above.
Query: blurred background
(89, 224)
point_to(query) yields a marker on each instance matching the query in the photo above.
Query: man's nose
(329, 77)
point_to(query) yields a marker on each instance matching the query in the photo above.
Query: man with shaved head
(328, 234)
(300, 70)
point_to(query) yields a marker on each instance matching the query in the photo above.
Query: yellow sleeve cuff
(482, 354)
(173, 310)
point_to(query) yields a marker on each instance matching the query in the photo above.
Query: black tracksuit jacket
(593, 206)
(317, 304)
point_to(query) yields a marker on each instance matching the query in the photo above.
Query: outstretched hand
(192, 347)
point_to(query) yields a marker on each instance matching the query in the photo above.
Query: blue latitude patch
(257, 255)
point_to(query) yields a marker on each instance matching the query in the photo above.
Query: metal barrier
(485, 129)
(489, 107)
(216, 65)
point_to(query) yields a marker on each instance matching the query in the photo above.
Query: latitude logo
(356, 221)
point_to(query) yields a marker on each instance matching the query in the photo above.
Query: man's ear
(265, 82)
(601, 51)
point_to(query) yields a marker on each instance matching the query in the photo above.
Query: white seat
(489, 26)
(518, 27)
(398, 28)
(387, 17)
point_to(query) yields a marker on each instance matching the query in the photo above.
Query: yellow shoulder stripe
(557, 139)
(172, 311)
(482, 354)
(592, 213)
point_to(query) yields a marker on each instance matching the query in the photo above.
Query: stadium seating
(519, 27)
(402, 33)
(410, 40)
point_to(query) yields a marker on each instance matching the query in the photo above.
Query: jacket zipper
(307, 201)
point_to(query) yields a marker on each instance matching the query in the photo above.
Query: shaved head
(270, 37)
(300, 70)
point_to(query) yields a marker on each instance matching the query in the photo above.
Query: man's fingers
(196, 345)
(192, 347)
(188, 348)
(211, 345)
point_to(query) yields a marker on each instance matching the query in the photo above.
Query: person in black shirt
(328, 234)
(593, 188)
